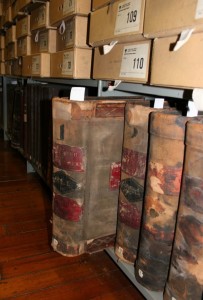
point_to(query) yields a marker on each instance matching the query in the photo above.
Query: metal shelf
(129, 272)
(156, 91)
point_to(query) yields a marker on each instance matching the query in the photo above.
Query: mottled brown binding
(186, 269)
(164, 171)
(133, 169)
(87, 150)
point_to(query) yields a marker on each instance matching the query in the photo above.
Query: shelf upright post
(100, 87)
(5, 123)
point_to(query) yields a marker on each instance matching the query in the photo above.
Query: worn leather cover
(186, 269)
(133, 167)
(87, 146)
(164, 173)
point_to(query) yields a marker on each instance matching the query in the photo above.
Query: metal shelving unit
(123, 89)
(129, 272)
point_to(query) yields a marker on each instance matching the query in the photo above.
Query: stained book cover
(185, 279)
(87, 146)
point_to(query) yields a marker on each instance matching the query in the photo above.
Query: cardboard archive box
(27, 65)
(23, 27)
(72, 33)
(61, 9)
(26, 4)
(1, 8)
(127, 62)
(7, 67)
(16, 67)
(99, 3)
(7, 16)
(43, 41)
(15, 9)
(11, 51)
(2, 41)
(40, 17)
(24, 46)
(36, 65)
(164, 18)
(2, 68)
(2, 55)
(122, 22)
(10, 36)
(181, 68)
(72, 63)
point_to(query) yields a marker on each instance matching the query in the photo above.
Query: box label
(70, 33)
(41, 16)
(199, 10)
(68, 6)
(135, 61)
(43, 46)
(24, 47)
(67, 68)
(36, 65)
(24, 28)
(128, 17)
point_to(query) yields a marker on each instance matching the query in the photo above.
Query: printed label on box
(36, 65)
(24, 28)
(134, 61)
(67, 68)
(199, 10)
(128, 17)
(24, 47)
(70, 29)
(68, 6)
(41, 15)
(43, 46)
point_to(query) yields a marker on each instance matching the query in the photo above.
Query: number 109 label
(128, 17)
(135, 61)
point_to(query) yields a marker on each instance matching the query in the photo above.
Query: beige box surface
(164, 18)
(2, 41)
(99, 3)
(23, 27)
(40, 17)
(11, 51)
(126, 62)
(1, 8)
(27, 66)
(61, 9)
(43, 41)
(2, 55)
(15, 9)
(7, 16)
(8, 67)
(2, 68)
(16, 67)
(72, 63)
(36, 65)
(73, 34)
(122, 21)
(181, 68)
(24, 3)
(24, 46)
(10, 35)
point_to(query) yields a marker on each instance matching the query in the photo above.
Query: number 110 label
(135, 61)
(128, 17)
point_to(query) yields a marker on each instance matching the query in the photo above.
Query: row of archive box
(130, 59)
(47, 39)
(60, 64)
(121, 19)
(131, 62)
(73, 32)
